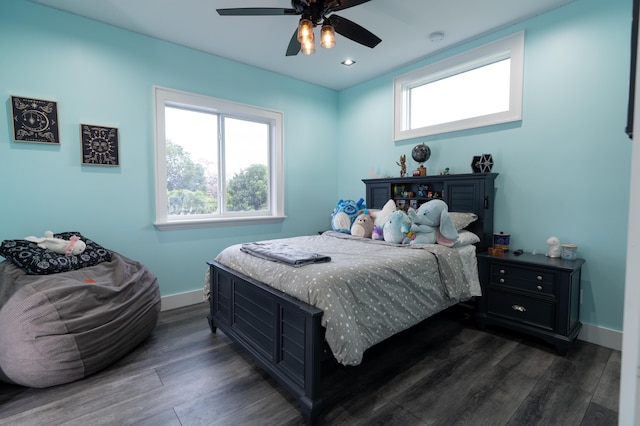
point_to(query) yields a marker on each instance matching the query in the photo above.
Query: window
(217, 162)
(477, 88)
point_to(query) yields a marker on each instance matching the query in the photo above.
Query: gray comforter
(62, 327)
(369, 290)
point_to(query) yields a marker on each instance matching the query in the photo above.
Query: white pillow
(466, 238)
(380, 216)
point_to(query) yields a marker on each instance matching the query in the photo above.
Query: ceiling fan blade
(256, 11)
(345, 4)
(294, 45)
(353, 31)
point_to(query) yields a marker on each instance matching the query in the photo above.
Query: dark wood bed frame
(283, 334)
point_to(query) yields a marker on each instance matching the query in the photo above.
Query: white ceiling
(403, 25)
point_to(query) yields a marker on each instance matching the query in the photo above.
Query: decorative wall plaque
(99, 145)
(482, 163)
(34, 120)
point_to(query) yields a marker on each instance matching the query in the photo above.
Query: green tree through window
(218, 162)
(187, 184)
(249, 189)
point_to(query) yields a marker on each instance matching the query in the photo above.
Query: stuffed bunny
(554, 247)
(71, 247)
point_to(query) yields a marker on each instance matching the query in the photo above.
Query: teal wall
(102, 75)
(564, 170)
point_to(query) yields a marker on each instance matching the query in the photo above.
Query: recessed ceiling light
(348, 62)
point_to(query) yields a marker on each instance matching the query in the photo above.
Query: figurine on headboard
(554, 247)
(403, 165)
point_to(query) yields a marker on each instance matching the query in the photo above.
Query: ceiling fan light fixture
(327, 36)
(309, 47)
(311, 13)
(305, 31)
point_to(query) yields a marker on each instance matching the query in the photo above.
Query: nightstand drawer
(521, 278)
(533, 294)
(525, 309)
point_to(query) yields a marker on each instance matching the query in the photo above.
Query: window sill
(211, 223)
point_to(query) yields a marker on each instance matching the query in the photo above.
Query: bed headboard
(472, 192)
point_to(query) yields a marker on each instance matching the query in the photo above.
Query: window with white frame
(477, 88)
(217, 162)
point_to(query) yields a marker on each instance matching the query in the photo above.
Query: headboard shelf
(472, 192)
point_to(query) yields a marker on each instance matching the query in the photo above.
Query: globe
(421, 153)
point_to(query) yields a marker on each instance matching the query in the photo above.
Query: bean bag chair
(59, 327)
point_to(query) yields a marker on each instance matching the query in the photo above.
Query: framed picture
(34, 120)
(99, 145)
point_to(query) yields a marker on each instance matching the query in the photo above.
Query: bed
(290, 320)
(63, 318)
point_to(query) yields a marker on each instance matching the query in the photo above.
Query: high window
(477, 88)
(217, 162)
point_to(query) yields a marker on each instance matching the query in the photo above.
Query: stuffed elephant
(432, 224)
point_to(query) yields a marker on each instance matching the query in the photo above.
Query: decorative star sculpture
(486, 163)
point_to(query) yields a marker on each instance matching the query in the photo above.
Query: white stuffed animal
(554, 247)
(71, 247)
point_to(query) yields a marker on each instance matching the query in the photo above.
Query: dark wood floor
(443, 372)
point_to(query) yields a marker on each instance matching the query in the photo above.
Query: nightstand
(532, 294)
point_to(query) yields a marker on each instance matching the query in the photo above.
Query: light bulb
(327, 36)
(308, 47)
(305, 30)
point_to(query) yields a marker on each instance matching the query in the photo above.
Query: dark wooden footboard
(283, 334)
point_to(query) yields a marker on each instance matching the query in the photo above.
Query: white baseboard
(590, 333)
(601, 336)
(181, 299)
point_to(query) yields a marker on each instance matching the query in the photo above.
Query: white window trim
(163, 221)
(507, 47)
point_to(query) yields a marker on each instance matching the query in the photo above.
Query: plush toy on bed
(432, 224)
(380, 216)
(376, 234)
(345, 214)
(363, 225)
(396, 228)
(70, 247)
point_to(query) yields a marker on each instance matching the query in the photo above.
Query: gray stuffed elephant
(432, 224)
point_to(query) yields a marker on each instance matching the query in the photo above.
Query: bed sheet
(370, 289)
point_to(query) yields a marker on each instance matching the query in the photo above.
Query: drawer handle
(501, 280)
(539, 277)
(519, 308)
(539, 287)
(502, 271)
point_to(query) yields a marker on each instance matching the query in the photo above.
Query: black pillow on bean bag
(35, 260)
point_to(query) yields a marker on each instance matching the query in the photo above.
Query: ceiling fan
(313, 13)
